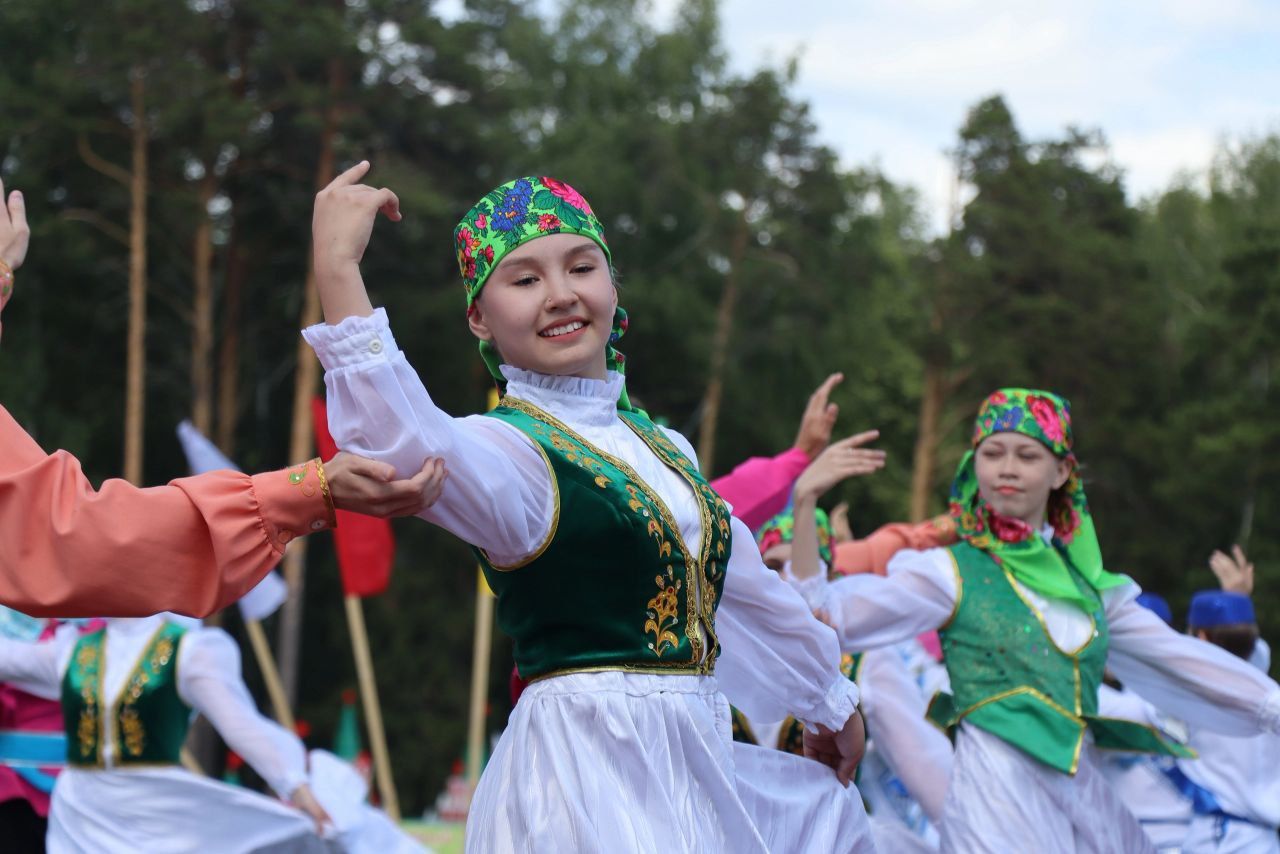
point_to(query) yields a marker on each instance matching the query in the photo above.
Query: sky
(890, 81)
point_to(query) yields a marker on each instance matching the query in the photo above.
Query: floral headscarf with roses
(1045, 417)
(782, 529)
(512, 215)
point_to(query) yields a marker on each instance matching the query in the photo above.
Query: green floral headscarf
(1045, 417)
(782, 529)
(512, 215)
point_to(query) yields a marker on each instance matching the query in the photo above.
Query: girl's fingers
(389, 204)
(17, 208)
(863, 437)
(352, 175)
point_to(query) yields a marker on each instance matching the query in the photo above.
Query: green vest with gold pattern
(614, 587)
(1010, 679)
(149, 719)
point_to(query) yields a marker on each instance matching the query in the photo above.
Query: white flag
(202, 455)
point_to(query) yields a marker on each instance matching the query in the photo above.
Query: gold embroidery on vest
(89, 662)
(663, 611)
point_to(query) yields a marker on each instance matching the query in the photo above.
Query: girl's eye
(525, 280)
(582, 268)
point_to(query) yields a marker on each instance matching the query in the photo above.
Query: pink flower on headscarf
(1046, 415)
(570, 195)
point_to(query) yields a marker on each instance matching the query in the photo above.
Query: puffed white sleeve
(209, 681)
(499, 495)
(37, 667)
(1203, 685)
(776, 659)
(917, 751)
(917, 595)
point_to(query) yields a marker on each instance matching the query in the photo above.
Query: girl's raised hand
(841, 460)
(15, 235)
(344, 215)
(340, 230)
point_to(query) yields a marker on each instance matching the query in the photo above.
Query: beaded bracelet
(6, 280)
(324, 490)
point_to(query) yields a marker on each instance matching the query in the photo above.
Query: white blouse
(209, 681)
(775, 659)
(1200, 683)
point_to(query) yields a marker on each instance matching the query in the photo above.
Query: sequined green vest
(614, 587)
(1010, 679)
(149, 718)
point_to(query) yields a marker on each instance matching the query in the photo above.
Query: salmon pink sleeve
(873, 552)
(192, 546)
(758, 489)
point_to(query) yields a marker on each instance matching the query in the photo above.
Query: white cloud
(890, 80)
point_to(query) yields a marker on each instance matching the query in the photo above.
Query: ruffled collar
(577, 399)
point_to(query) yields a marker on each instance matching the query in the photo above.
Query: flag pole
(270, 675)
(372, 708)
(482, 643)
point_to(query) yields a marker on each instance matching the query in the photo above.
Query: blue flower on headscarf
(1008, 420)
(512, 211)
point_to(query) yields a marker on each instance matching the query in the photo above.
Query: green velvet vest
(1010, 679)
(149, 718)
(614, 587)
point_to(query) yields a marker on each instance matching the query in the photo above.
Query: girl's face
(1016, 475)
(548, 307)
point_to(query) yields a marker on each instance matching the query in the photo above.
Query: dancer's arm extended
(917, 751)
(192, 546)
(776, 659)
(918, 595)
(34, 667)
(209, 680)
(1203, 685)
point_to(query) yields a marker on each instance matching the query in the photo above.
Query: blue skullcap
(1156, 604)
(1212, 608)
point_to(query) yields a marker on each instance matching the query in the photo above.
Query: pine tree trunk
(202, 311)
(229, 347)
(925, 459)
(720, 353)
(306, 380)
(135, 372)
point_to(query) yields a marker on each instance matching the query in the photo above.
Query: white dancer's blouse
(775, 658)
(1208, 687)
(208, 680)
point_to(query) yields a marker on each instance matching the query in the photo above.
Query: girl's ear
(475, 319)
(1064, 473)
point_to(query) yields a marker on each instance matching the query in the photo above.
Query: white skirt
(620, 762)
(1002, 800)
(166, 810)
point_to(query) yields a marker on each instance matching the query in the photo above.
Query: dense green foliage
(1158, 321)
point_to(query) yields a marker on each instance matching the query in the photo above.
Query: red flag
(365, 544)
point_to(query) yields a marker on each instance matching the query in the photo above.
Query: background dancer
(1029, 619)
(1234, 784)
